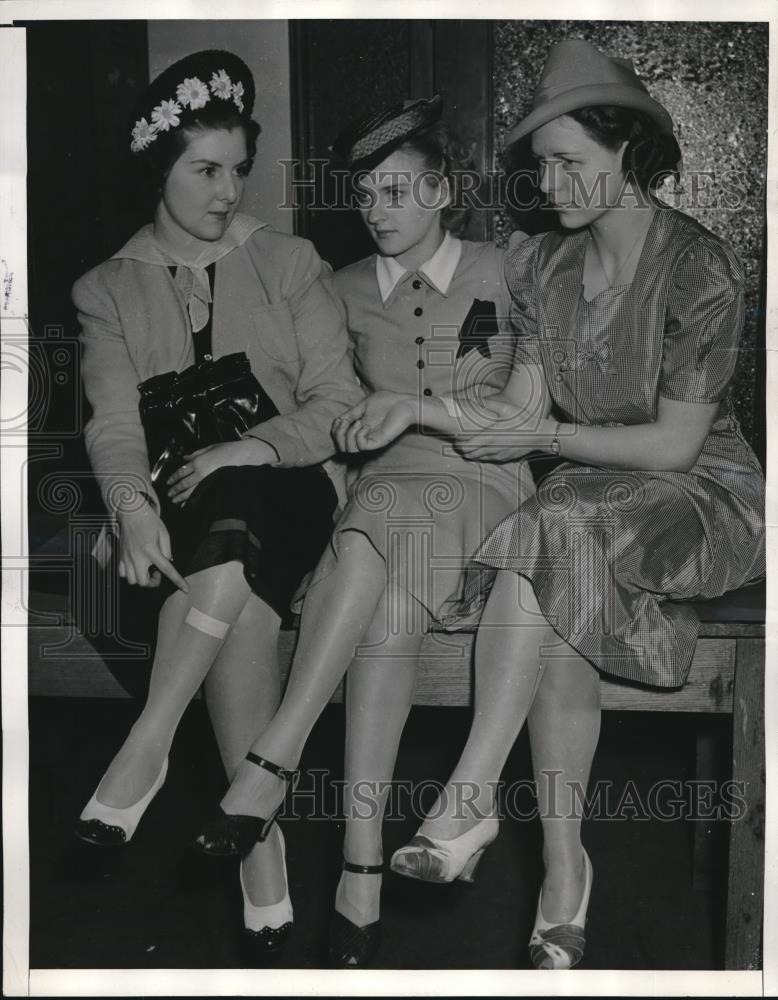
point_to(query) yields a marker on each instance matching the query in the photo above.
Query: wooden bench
(727, 676)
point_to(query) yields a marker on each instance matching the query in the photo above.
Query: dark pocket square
(479, 324)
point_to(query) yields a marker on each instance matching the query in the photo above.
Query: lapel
(638, 349)
(643, 344)
(660, 243)
(560, 290)
(563, 271)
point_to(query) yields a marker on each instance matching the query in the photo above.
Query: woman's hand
(505, 438)
(485, 447)
(201, 463)
(375, 421)
(144, 549)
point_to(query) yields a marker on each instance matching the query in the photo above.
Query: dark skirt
(277, 522)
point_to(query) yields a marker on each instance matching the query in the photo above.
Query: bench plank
(444, 679)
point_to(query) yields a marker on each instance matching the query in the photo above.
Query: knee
(213, 579)
(215, 628)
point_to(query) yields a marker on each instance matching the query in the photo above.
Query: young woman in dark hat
(230, 533)
(424, 314)
(627, 325)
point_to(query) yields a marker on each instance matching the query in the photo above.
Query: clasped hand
(505, 436)
(375, 421)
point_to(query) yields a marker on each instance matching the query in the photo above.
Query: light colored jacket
(269, 301)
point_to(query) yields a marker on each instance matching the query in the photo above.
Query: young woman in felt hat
(627, 326)
(425, 315)
(231, 532)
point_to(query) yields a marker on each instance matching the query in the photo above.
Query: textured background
(712, 78)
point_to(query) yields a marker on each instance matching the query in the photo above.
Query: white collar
(438, 270)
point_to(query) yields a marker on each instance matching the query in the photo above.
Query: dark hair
(225, 103)
(442, 151)
(650, 154)
(156, 161)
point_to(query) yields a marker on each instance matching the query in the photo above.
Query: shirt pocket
(275, 333)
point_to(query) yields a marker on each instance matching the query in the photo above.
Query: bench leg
(745, 890)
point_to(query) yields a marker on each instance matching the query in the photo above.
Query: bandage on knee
(205, 623)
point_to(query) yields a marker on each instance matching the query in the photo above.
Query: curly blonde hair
(444, 153)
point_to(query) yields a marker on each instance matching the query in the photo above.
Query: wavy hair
(650, 154)
(443, 153)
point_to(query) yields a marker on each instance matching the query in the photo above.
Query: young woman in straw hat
(230, 533)
(627, 325)
(425, 314)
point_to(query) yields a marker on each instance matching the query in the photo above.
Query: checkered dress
(605, 549)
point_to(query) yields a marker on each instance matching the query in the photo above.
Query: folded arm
(672, 443)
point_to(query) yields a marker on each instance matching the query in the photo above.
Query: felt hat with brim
(364, 144)
(577, 75)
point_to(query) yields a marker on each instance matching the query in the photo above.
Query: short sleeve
(521, 279)
(703, 321)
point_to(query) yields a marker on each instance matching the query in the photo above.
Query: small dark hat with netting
(364, 144)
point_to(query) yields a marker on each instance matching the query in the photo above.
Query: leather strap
(268, 765)
(348, 866)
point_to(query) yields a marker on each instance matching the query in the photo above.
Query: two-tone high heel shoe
(561, 946)
(236, 833)
(109, 826)
(352, 946)
(430, 859)
(268, 927)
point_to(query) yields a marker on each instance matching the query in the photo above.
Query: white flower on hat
(221, 85)
(166, 114)
(142, 135)
(193, 93)
(237, 95)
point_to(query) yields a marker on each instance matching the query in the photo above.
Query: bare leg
(508, 664)
(564, 726)
(379, 692)
(336, 614)
(242, 692)
(182, 658)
